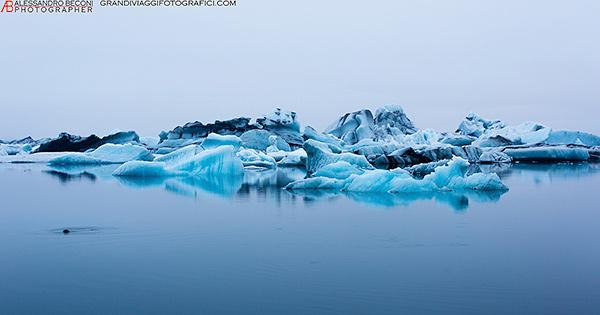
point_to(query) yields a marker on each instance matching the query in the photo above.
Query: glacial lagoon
(245, 245)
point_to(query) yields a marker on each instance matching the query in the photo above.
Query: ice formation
(321, 154)
(353, 127)
(214, 140)
(259, 139)
(494, 156)
(251, 157)
(219, 161)
(548, 154)
(343, 158)
(294, 158)
(66, 142)
(105, 154)
(391, 121)
(450, 177)
(474, 125)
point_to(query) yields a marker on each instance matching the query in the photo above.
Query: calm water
(245, 246)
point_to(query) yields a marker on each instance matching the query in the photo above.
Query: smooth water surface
(232, 246)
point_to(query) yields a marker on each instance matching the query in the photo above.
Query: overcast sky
(152, 69)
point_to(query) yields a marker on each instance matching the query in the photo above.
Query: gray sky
(154, 68)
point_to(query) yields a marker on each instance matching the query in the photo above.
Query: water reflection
(267, 184)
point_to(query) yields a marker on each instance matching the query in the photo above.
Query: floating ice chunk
(179, 155)
(251, 157)
(390, 120)
(106, 154)
(353, 127)
(447, 177)
(214, 140)
(296, 157)
(338, 170)
(220, 161)
(494, 156)
(320, 154)
(150, 142)
(527, 133)
(548, 154)
(477, 181)
(565, 137)
(474, 125)
(280, 118)
(457, 140)
(284, 124)
(376, 181)
(311, 133)
(76, 159)
(273, 144)
(423, 137)
(14, 149)
(143, 169)
(258, 139)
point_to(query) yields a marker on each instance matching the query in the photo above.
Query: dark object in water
(66, 231)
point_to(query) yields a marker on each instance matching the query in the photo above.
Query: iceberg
(311, 133)
(143, 169)
(193, 132)
(66, 142)
(294, 158)
(391, 121)
(219, 161)
(450, 177)
(565, 137)
(105, 154)
(548, 154)
(527, 133)
(284, 124)
(338, 170)
(251, 157)
(494, 156)
(353, 127)
(179, 155)
(474, 125)
(14, 149)
(320, 154)
(214, 140)
(259, 139)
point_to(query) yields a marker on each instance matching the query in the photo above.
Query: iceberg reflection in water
(267, 184)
